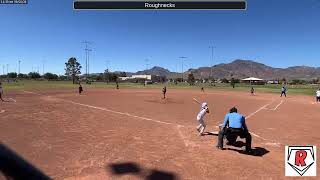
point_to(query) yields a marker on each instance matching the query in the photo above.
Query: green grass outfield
(41, 85)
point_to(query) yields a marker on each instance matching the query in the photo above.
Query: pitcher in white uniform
(200, 118)
(318, 95)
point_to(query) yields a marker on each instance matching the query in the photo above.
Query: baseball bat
(196, 100)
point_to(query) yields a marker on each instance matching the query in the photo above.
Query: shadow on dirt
(125, 168)
(257, 151)
(13, 166)
(210, 133)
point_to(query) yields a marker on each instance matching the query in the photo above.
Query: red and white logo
(300, 161)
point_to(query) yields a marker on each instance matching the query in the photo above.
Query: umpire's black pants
(232, 135)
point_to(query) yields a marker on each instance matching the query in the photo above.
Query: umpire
(233, 126)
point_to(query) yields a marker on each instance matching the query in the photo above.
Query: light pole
(211, 66)
(19, 66)
(87, 57)
(182, 59)
(147, 63)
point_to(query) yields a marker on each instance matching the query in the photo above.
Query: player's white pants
(201, 126)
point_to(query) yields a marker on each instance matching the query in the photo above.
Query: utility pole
(7, 69)
(19, 66)
(87, 57)
(107, 64)
(3, 69)
(182, 59)
(43, 61)
(147, 63)
(89, 50)
(211, 66)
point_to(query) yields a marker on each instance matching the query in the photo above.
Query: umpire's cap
(234, 109)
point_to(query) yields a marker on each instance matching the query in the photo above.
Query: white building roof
(251, 79)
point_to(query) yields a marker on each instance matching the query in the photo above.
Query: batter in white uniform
(200, 118)
(318, 95)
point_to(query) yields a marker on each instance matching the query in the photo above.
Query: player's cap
(204, 105)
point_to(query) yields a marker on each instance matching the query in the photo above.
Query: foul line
(263, 107)
(250, 115)
(121, 113)
(13, 99)
(182, 136)
(275, 107)
(33, 93)
(109, 110)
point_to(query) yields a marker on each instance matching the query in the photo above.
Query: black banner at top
(161, 5)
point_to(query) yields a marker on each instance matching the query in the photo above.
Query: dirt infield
(134, 134)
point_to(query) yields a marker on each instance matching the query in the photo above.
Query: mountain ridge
(241, 69)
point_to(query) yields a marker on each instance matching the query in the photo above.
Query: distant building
(273, 82)
(141, 78)
(148, 77)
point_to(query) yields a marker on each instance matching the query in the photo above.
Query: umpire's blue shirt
(235, 120)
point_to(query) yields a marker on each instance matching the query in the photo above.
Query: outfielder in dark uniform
(117, 84)
(252, 90)
(164, 91)
(80, 88)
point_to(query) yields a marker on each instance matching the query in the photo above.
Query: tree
(123, 74)
(232, 82)
(163, 79)
(50, 76)
(73, 69)
(99, 77)
(224, 80)
(25, 76)
(315, 81)
(12, 75)
(191, 79)
(106, 75)
(62, 77)
(284, 81)
(34, 75)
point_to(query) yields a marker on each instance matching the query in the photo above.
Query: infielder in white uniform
(1, 92)
(200, 118)
(318, 95)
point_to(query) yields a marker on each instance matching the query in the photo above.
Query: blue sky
(279, 33)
